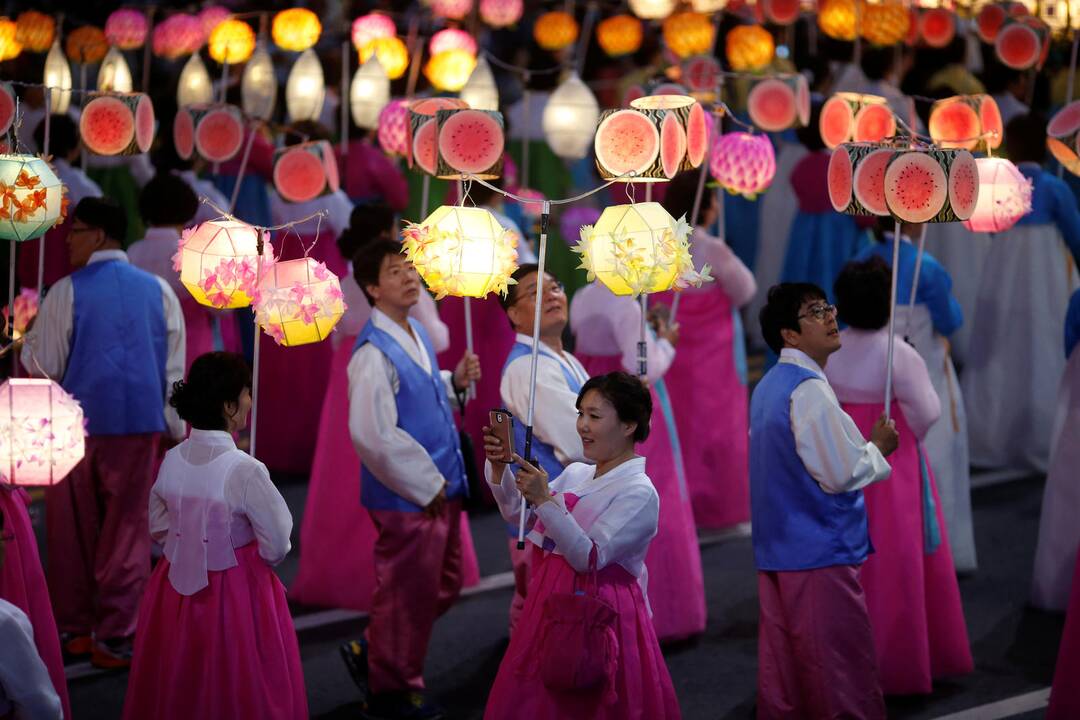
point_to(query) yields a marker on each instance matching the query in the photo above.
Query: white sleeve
(177, 354)
(627, 325)
(505, 492)
(141, 169)
(391, 454)
(734, 277)
(555, 416)
(339, 207)
(914, 390)
(266, 510)
(24, 681)
(829, 443)
(49, 341)
(427, 312)
(159, 514)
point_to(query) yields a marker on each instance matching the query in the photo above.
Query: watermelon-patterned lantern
(451, 39)
(569, 118)
(778, 103)
(619, 35)
(1020, 44)
(58, 77)
(966, 121)
(461, 251)
(422, 147)
(86, 45)
(450, 70)
(481, 92)
(31, 197)
(178, 35)
(653, 9)
(368, 94)
(9, 46)
(117, 123)
(394, 127)
(218, 262)
(258, 85)
(689, 33)
(35, 31)
(749, 47)
(304, 172)
(214, 131)
(937, 27)
(298, 302)
(126, 29)
(372, 27)
(651, 142)
(780, 12)
(195, 86)
(1004, 196)
(392, 54)
(305, 90)
(989, 20)
(555, 30)
(210, 17)
(451, 9)
(232, 41)
(42, 432)
(836, 18)
(114, 75)
(932, 185)
(885, 23)
(856, 178)
(852, 116)
(469, 143)
(742, 163)
(296, 29)
(501, 13)
(1063, 136)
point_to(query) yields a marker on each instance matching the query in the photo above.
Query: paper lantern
(1021, 44)
(481, 92)
(304, 172)
(371, 27)
(742, 163)
(708, 6)
(42, 432)
(35, 31)
(9, 46)
(689, 33)
(966, 121)
(638, 248)
(937, 27)
(86, 45)
(305, 90)
(836, 18)
(461, 251)
(469, 142)
(394, 127)
(423, 138)
(853, 116)
(114, 75)
(555, 30)
(451, 9)
(653, 9)
(368, 94)
(117, 123)
(215, 131)
(31, 197)
(780, 102)
(258, 85)
(702, 76)
(619, 35)
(1060, 15)
(1063, 136)
(26, 309)
(210, 17)
(218, 261)
(177, 36)
(298, 302)
(232, 41)
(58, 77)
(1004, 196)
(195, 86)
(501, 13)
(126, 29)
(296, 29)
(885, 23)
(856, 178)
(450, 70)
(749, 47)
(651, 142)
(392, 54)
(451, 39)
(570, 115)
(931, 185)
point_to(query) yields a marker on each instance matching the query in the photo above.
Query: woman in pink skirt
(910, 582)
(603, 516)
(215, 638)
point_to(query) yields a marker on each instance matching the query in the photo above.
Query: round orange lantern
(296, 29)
(619, 35)
(688, 33)
(836, 18)
(86, 45)
(555, 30)
(232, 41)
(749, 47)
(392, 54)
(35, 31)
(9, 46)
(450, 70)
(885, 24)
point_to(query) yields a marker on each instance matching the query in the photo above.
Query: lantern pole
(643, 342)
(44, 154)
(11, 305)
(545, 216)
(224, 77)
(892, 320)
(344, 94)
(425, 192)
(468, 303)
(255, 353)
(416, 52)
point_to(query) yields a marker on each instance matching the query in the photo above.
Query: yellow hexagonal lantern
(31, 197)
(298, 302)
(218, 262)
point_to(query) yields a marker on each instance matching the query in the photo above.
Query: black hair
(103, 213)
(63, 136)
(877, 62)
(1025, 139)
(781, 310)
(862, 292)
(368, 260)
(167, 200)
(679, 196)
(511, 296)
(305, 131)
(366, 223)
(810, 134)
(632, 401)
(482, 195)
(214, 378)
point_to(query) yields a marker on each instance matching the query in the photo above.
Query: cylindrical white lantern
(369, 93)
(195, 86)
(1004, 196)
(42, 435)
(114, 75)
(480, 92)
(258, 86)
(305, 89)
(58, 77)
(570, 118)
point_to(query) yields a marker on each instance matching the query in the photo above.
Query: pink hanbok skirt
(1065, 693)
(676, 586)
(228, 651)
(22, 583)
(642, 684)
(913, 597)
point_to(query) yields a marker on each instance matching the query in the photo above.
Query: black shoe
(355, 655)
(401, 706)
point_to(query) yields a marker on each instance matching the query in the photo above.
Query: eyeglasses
(553, 287)
(819, 312)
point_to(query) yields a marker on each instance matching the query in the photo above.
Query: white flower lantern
(298, 302)
(195, 87)
(570, 118)
(218, 262)
(652, 9)
(114, 75)
(480, 91)
(58, 77)
(42, 433)
(305, 89)
(31, 197)
(258, 86)
(369, 93)
(1004, 196)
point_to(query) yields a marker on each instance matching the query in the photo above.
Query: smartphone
(502, 422)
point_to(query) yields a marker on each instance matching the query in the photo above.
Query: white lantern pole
(468, 304)
(892, 320)
(425, 192)
(643, 341)
(343, 93)
(41, 244)
(243, 168)
(224, 77)
(255, 354)
(915, 277)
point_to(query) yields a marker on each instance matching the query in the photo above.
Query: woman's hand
(532, 482)
(494, 452)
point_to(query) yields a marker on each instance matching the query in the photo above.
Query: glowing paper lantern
(258, 85)
(1004, 196)
(619, 35)
(35, 31)
(555, 30)
(58, 77)
(461, 251)
(836, 18)
(31, 197)
(481, 92)
(501, 13)
(218, 261)
(1063, 136)
(451, 39)
(210, 17)
(215, 131)
(371, 27)
(114, 74)
(638, 248)
(708, 6)
(305, 89)
(126, 29)
(966, 121)
(742, 163)
(451, 9)
(304, 172)
(296, 29)
(689, 33)
(569, 118)
(368, 94)
(652, 9)
(885, 23)
(195, 86)
(394, 127)
(469, 142)
(852, 116)
(932, 185)
(86, 45)
(450, 70)
(937, 27)
(423, 138)
(42, 432)
(177, 36)
(749, 47)
(392, 54)
(232, 41)
(9, 46)
(298, 302)
(26, 309)
(117, 123)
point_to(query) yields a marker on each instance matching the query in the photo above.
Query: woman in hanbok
(607, 328)
(599, 516)
(215, 638)
(962, 254)
(1059, 532)
(910, 583)
(704, 380)
(1010, 378)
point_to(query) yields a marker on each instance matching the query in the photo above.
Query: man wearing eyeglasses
(808, 465)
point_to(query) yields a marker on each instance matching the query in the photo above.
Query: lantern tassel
(892, 321)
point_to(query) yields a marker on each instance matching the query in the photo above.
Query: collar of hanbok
(586, 483)
(798, 357)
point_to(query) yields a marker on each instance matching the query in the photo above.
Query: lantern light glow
(1004, 196)
(570, 118)
(392, 54)
(58, 78)
(368, 94)
(742, 163)
(42, 433)
(232, 41)
(305, 89)
(32, 197)
(481, 92)
(114, 75)
(194, 87)
(218, 261)
(258, 86)
(298, 302)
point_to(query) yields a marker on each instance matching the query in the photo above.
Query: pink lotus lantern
(531, 210)
(501, 13)
(451, 9)
(42, 433)
(177, 36)
(212, 16)
(451, 39)
(742, 163)
(299, 302)
(218, 261)
(26, 309)
(126, 29)
(394, 127)
(1004, 196)
(371, 27)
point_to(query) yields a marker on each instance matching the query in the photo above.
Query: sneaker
(355, 655)
(401, 706)
(112, 654)
(76, 646)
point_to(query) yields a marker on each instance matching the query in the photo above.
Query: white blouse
(25, 687)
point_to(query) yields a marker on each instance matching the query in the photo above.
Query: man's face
(818, 335)
(553, 308)
(399, 285)
(82, 241)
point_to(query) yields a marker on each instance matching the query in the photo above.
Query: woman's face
(236, 413)
(603, 435)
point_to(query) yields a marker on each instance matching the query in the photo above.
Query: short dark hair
(214, 379)
(103, 213)
(368, 261)
(63, 136)
(781, 310)
(1025, 138)
(632, 401)
(862, 291)
(679, 196)
(167, 200)
(367, 222)
(876, 62)
(512, 294)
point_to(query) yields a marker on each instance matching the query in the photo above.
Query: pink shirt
(368, 173)
(733, 277)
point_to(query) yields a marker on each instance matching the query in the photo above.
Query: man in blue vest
(413, 479)
(113, 336)
(808, 465)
